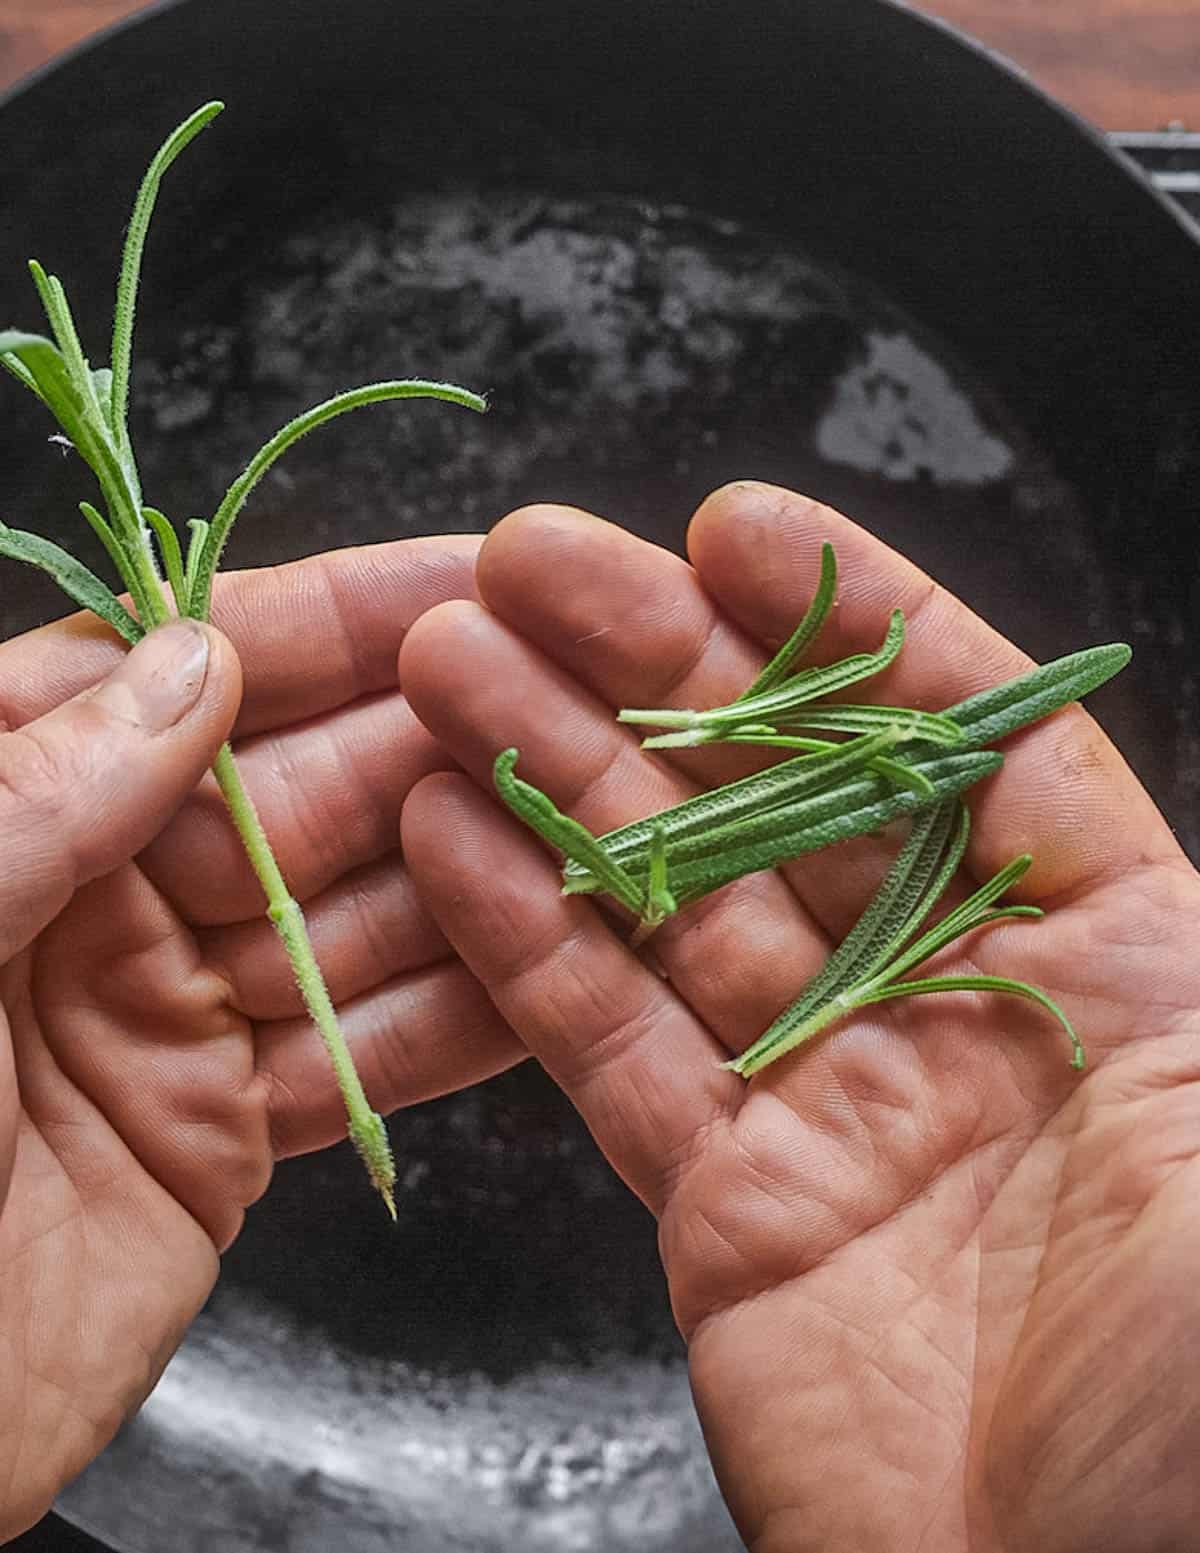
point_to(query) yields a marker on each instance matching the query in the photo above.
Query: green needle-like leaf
(131, 268)
(168, 544)
(120, 558)
(537, 811)
(933, 727)
(806, 632)
(235, 497)
(936, 727)
(1020, 989)
(895, 770)
(828, 781)
(73, 577)
(897, 904)
(661, 903)
(17, 368)
(868, 966)
(39, 362)
(753, 795)
(58, 311)
(73, 411)
(994, 714)
(959, 921)
(855, 808)
(198, 529)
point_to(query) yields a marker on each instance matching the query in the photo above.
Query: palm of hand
(935, 1287)
(978, 1279)
(159, 1049)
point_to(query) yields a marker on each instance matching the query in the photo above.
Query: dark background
(1124, 64)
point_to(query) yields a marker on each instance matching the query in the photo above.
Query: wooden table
(1125, 64)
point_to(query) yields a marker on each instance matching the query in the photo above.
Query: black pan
(829, 244)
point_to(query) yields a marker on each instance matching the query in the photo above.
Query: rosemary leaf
(804, 635)
(784, 785)
(704, 862)
(936, 727)
(172, 556)
(1020, 989)
(869, 942)
(994, 714)
(73, 577)
(131, 269)
(537, 811)
(235, 497)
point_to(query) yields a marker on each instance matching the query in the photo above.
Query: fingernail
(162, 678)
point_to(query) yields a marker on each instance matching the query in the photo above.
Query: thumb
(85, 787)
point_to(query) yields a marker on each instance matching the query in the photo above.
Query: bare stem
(365, 1126)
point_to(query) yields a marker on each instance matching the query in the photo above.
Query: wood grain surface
(1125, 64)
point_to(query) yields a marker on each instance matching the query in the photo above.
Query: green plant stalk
(91, 408)
(931, 726)
(365, 1127)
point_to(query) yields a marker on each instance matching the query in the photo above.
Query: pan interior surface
(504, 1370)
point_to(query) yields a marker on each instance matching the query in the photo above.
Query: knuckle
(33, 772)
(36, 778)
(224, 1126)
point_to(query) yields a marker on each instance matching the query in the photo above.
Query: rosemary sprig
(785, 696)
(91, 407)
(829, 794)
(869, 964)
(984, 719)
(715, 856)
(705, 854)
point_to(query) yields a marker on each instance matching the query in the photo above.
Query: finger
(87, 785)
(314, 634)
(367, 929)
(328, 793)
(321, 633)
(1065, 793)
(640, 1068)
(132, 1019)
(739, 955)
(413, 1038)
(626, 618)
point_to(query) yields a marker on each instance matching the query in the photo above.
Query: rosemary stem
(366, 1128)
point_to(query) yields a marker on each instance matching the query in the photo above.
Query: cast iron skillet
(829, 244)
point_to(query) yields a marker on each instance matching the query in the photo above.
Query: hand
(154, 1055)
(939, 1292)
